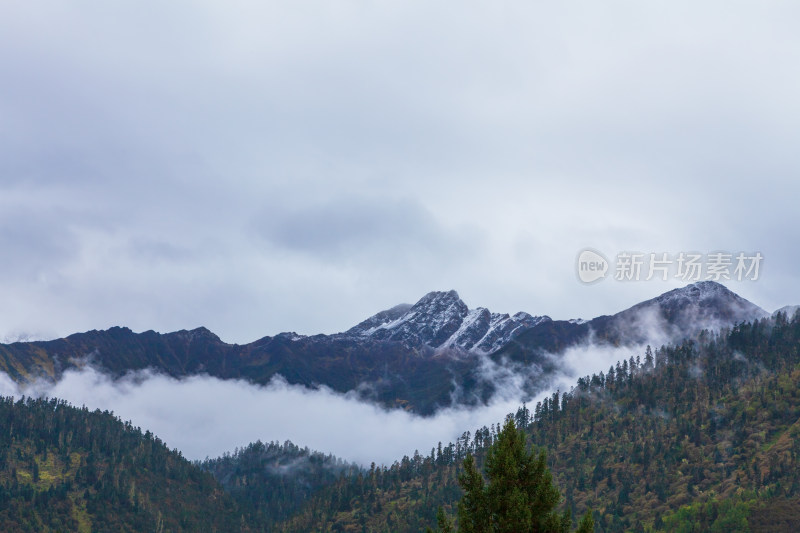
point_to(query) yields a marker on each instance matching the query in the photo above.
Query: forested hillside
(272, 481)
(703, 436)
(68, 469)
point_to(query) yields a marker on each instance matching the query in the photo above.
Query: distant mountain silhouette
(419, 357)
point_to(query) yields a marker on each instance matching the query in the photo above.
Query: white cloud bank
(205, 416)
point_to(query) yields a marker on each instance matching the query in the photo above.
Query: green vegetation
(68, 469)
(272, 481)
(702, 436)
(706, 433)
(520, 496)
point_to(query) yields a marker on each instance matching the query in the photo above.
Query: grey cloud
(159, 250)
(344, 228)
(34, 244)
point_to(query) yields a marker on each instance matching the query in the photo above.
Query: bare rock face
(441, 320)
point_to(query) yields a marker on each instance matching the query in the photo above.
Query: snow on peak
(441, 320)
(701, 290)
(703, 305)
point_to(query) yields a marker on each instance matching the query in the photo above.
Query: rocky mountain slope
(670, 317)
(440, 320)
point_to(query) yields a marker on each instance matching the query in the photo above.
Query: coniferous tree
(518, 496)
(445, 526)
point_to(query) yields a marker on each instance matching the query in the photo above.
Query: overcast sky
(257, 167)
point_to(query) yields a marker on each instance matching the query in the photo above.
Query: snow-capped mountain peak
(707, 299)
(441, 320)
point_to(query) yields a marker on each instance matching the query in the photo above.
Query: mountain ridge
(409, 356)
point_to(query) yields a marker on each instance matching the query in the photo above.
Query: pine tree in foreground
(520, 496)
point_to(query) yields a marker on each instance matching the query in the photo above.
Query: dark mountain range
(670, 317)
(420, 357)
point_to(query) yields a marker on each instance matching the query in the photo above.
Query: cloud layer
(262, 167)
(205, 417)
